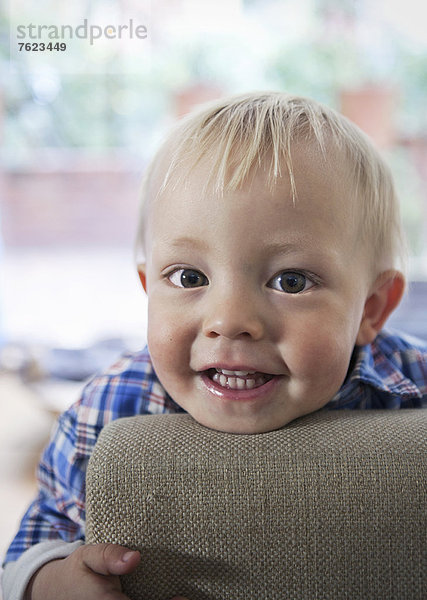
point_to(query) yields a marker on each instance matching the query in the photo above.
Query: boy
(271, 250)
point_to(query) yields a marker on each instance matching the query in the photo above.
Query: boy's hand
(89, 573)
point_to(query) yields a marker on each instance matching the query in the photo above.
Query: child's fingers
(109, 559)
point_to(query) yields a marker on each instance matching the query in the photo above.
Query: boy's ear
(143, 276)
(384, 297)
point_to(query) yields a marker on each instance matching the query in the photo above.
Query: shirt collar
(373, 366)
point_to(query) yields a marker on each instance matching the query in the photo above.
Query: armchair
(332, 506)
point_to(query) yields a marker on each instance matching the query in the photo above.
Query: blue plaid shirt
(390, 373)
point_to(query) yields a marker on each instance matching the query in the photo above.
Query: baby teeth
(235, 373)
(237, 383)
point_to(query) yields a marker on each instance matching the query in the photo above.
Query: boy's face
(254, 303)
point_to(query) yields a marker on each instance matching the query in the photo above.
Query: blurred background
(77, 128)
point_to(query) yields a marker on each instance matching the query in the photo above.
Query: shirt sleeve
(128, 388)
(17, 574)
(57, 513)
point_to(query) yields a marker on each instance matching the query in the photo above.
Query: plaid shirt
(390, 373)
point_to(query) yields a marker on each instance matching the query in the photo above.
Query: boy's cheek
(170, 335)
(166, 304)
(172, 313)
(319, 354)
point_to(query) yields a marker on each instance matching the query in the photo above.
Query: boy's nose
(233, 317)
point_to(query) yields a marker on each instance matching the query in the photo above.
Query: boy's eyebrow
(281, 247)
(185, 241)
(303, 246)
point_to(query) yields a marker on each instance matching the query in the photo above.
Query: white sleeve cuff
(17, 575)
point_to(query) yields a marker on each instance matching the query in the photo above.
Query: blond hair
(241, 133)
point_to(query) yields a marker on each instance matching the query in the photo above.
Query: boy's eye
(290, 282)
(188, 278)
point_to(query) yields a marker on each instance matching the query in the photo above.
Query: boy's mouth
(238, 380)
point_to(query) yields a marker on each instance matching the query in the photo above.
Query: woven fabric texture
(332, 506)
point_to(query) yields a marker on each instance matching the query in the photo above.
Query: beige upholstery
(332, 506)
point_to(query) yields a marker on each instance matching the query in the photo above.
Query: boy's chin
(240, 426)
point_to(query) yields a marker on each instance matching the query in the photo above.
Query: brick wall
(68, 208)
